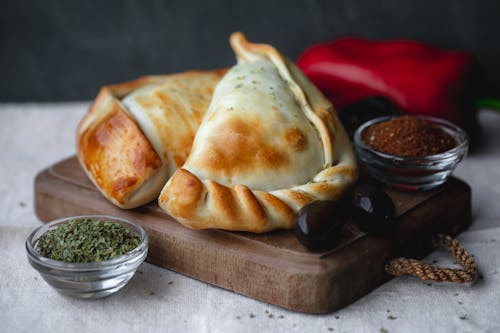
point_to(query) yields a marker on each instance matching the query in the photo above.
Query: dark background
(65, 50)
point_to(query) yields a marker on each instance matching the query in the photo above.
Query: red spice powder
(408, 136)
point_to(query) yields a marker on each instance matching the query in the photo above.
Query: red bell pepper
(417, 78)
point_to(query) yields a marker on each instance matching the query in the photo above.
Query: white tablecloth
(33, 136)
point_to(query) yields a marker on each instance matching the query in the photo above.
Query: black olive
(372, 209)
(319, 224)
(354, 115)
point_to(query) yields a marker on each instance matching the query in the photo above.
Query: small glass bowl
(87, 280)
(412, 173)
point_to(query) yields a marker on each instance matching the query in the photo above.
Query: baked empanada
(269, 143)
(137, 134)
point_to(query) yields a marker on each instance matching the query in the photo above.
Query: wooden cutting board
(272, 267)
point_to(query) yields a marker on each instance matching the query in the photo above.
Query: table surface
(33, 136)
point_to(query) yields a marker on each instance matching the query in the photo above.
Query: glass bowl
(87, 280)
(412, 173)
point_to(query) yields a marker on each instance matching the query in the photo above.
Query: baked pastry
(136, 134)
(269, 143)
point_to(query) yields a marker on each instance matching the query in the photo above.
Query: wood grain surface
(272, 267)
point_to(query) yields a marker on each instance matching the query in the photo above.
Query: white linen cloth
(34, 136)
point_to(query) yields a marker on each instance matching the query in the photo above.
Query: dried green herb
(87, 240)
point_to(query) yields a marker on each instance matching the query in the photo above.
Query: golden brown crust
(238, 146)
(185, 194)
(117, 154)
(129, 162)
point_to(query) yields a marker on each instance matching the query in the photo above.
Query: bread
(137, 134)
(269, 144)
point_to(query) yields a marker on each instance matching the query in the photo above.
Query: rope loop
(401, 266)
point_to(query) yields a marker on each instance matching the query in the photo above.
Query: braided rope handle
(401, 266)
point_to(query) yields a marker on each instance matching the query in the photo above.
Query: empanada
(137, 134)
(269, 143)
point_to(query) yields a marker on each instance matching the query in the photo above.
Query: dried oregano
(87, 240)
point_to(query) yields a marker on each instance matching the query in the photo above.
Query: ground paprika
(408, 136)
